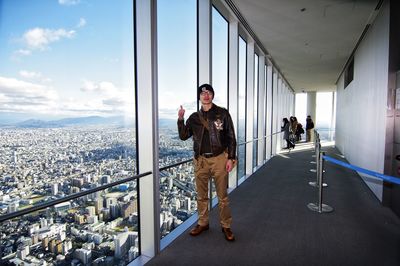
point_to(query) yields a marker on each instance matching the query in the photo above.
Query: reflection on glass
(255, 109)
(220, 58)
(242, 107)
(177, 82)
(67, 125)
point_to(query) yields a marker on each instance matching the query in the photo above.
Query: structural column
(268, 118)
(233, 84)
(147, 125)
(312, 104)
(204, 41)
(250, 107)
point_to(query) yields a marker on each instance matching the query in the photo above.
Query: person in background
(309, 128)
(293, 125)
(214, 145)
(299, 131)
(286, 133)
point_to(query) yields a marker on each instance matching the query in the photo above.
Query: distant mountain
(88, 120)
(35, 123)
(91, 120)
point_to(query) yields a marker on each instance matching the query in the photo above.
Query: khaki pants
(309, 135)
(204, 169)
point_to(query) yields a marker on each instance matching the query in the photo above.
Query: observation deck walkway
(273, 225)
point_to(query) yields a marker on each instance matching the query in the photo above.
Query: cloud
(30, 75)
(33, 76)
(172, 112)
(23, 52)
(18, 96)
(81, 23)
(68, 2)
(40, 39)
(102, 98)
(112, 98)
(104, 87)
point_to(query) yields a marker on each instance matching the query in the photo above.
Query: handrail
(388, 178)
(189, 160)
(67, 198)
(264, 137)
(174, 165)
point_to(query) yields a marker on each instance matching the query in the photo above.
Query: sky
(66, 58)
(72, 58)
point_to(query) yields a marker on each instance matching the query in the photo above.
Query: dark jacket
(309, 124)
(222, 133)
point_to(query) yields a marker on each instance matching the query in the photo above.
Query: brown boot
(198, 229)
(228, 234)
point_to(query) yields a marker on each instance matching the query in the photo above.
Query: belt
(207, 155)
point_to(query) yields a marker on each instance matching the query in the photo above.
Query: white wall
(361, 106)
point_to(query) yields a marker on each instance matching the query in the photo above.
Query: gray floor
(273, 226)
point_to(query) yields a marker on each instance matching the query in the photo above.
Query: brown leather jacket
(222, 133)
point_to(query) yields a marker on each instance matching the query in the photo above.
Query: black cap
(205, 87)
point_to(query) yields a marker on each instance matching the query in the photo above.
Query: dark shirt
(205, 143)
(309, 124)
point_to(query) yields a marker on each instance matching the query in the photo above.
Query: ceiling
(309, 40)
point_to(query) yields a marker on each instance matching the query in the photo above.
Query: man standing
(309, 128)
(213, 138)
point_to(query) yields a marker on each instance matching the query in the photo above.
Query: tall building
(85, 256)
(54, 189)
(98, 204)
(123, 242)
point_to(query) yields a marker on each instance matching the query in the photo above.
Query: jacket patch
(219, 124)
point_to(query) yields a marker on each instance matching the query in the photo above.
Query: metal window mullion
(147, 150)
(268, 118)
(261, 110)
(233, 76)
(275, 120)
(204, 41)
(250, 106)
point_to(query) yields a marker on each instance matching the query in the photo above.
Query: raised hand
(181, 113)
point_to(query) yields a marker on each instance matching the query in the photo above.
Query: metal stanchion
(317, 160)
(320, 207)
(316, 137)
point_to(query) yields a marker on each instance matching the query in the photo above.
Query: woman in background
(285, 129)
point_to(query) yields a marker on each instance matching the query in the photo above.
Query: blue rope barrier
(388, 178)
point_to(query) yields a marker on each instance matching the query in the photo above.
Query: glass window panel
(242, 107)
(220, 58)
(301, 108)
(241, 161)
(67, 121)
(324, 122)
(219, 64)
(177, 197)
(97, 228)
(177, 85)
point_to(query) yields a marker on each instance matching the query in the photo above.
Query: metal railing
(320, 158)
(51, 203)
